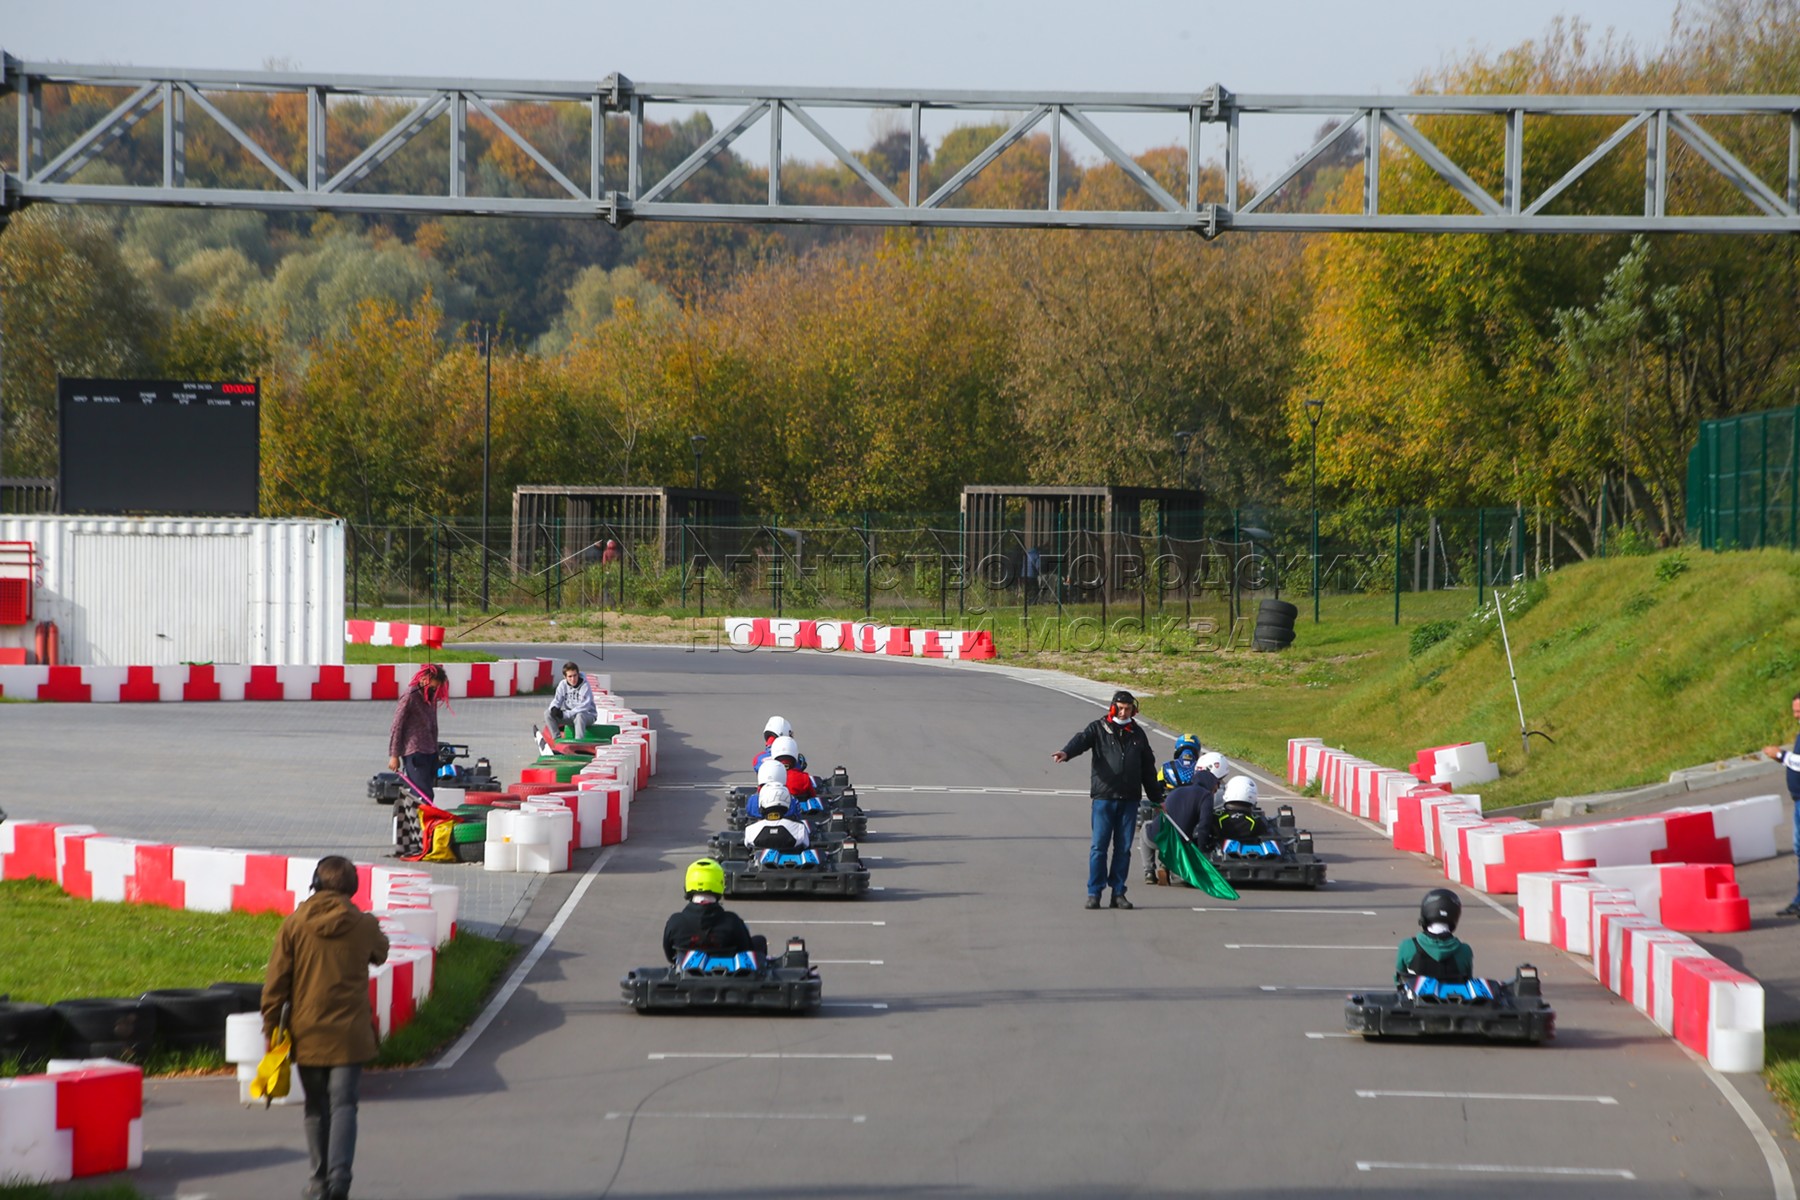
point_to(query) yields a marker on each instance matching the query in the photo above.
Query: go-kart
(806, 872)
(1286, 858)
(1481, 1008)
(728, 845)
(701, 981)
(385, 787)
(839, 814)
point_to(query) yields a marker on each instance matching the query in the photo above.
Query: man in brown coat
(319, 971)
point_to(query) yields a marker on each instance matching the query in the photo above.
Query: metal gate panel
(159, 599)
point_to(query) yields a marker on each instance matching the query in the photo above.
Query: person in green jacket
(1436, 952)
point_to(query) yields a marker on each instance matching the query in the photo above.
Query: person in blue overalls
(1790, 758)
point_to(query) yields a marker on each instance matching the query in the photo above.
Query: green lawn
(69, 1191)
(418, 655)
(60, 948)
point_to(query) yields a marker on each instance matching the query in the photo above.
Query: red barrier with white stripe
(863, 637)
(216, 681)
(1625, 892)
(80, 1118)
(392, 633)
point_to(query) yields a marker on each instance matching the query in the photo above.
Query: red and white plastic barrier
(392, 633)
(1612, 916)
(80, 1118)
(215, 681)
(1626, 892)
(862, 637)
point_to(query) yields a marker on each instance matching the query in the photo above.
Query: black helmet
(1440, 907)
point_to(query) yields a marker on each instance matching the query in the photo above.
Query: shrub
(1671, 567)
(1429, 634)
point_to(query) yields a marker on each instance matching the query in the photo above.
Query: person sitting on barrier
(705, 924)
(1177, 772)
(786, 751)
(776, 830)
(573, 704)
(1236, 817)
(1436, 952)
(773, 728)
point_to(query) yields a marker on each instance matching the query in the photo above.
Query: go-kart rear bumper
(1377, 1015)
(651, 989)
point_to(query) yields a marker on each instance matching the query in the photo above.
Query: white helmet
(1215, 762)
(771, 772)
(777, 727)
(774, 795)
(1240, 789)
(784, 745)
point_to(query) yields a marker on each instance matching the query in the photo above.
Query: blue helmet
(1189, 745)
(1177, 772)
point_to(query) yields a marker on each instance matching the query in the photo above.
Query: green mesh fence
(1743, 489)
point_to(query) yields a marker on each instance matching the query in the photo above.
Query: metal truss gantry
(300, 177)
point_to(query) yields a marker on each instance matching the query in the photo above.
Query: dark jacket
(1447, 959)
(320, 967)
(415, 728)
(708, 927)
(1124, 768)
(1190, 806)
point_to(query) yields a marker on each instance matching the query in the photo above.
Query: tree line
(836, 371)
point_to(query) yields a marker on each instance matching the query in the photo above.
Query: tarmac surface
(983, 1034)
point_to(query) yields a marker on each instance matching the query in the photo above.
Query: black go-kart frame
(1516, 1013)
(385, 787)
(788, 984)
(839, 873)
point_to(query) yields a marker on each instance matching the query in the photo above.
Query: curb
(1687, 779)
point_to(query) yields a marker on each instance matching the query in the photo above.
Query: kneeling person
(1436, 952)
(705, 924)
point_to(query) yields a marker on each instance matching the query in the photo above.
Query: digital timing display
(157, 446)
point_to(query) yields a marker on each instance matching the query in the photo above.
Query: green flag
(1184, 859)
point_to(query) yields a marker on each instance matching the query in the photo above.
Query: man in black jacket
(1124, 768)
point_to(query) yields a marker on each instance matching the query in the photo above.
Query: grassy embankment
(61, 947)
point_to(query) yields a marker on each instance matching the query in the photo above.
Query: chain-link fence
(910, 567)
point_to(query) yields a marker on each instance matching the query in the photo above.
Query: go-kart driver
(1177, 771)
(1214, 763)
(776, 830)
(1236, 816)
(786, 751)
(770, 772)
(773, 728)
(1436, 952)
(704, 924)
(1189, 807)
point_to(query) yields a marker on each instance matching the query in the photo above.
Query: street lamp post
(1184, 441)
(487, 440)
(698, 442)
(1315, 409)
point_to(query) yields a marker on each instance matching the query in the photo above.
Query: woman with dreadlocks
(413, 751)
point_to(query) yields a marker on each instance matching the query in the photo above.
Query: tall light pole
(1184, 440)
(487, 439)
(1315, 409)
(698, 442)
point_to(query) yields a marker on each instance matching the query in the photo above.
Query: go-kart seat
(699, 962)
(1264, 849)
(812, 804)
(1424, 987)
(778, 858)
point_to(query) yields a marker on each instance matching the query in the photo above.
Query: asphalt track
(984, 1035)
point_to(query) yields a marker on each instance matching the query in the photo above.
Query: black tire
(1280, 641)
(27, 1031)
(190, 1016)
(107, 1028)
(1269, 647)
(243, 997)
(1264, 628)
(469, 852)
(1277, 609)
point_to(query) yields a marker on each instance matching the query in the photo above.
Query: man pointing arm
(1124, 769)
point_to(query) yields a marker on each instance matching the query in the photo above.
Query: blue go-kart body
(699, 982)
(809, 872)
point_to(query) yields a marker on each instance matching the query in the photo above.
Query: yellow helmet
(705, 875)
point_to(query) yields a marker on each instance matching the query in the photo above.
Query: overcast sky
(1124, 45)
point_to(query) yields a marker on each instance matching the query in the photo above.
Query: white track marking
(1309, 987)
(1321, 1036)
(837, 922)
(1342, 912)
(1499, 1169)
(1274, 946)
(853, 1118)
(851, 1004)
(455, 1053)
(849, 962)
(1380, 1095)
(1780, 1177)
(764, 1054)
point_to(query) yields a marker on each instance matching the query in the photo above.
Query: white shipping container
(154, 591)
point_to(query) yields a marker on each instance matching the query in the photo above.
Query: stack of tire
(125, 1029)
(1274, 626)
(468, 838)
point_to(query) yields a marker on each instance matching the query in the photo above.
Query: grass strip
(69, 1191)
(468, 967)
(60, 947)
(356, 654)
(1781, 1067)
